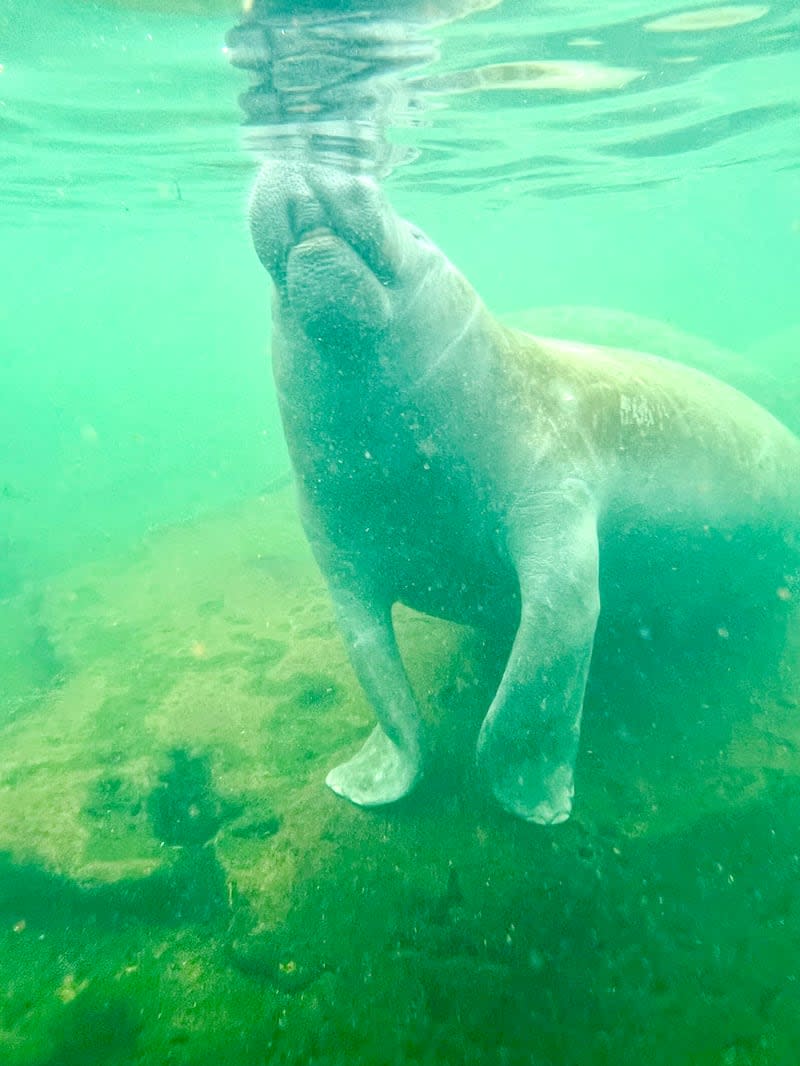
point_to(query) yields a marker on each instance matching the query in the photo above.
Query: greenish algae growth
(178, 887)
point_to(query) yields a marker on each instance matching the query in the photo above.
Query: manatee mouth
(324, 243)
(322, 239)
(329, 284)
(312, 233)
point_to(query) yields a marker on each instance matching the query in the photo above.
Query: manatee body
(474, 472)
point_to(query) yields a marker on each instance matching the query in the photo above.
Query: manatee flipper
(529, 738)
(390, 762)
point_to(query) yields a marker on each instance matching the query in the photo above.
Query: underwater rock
(267, 955)
(183, 808)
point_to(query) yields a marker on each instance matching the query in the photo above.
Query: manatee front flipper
(390, 762)
(529, 738)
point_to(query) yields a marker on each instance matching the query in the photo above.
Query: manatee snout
(291, 200)
(329, 240)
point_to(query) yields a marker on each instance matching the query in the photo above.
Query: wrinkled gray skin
(462, 468)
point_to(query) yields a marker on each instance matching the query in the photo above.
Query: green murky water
(176, 883)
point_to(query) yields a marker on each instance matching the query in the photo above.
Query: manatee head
(342, 261)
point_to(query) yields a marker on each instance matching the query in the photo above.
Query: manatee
(477, 473)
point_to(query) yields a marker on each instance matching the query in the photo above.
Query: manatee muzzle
(329, 285)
